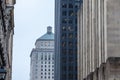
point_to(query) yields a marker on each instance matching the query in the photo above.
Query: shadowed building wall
(98, 39)
(6, 36)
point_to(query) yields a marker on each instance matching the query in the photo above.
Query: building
(66, 39)
(42, 57)
(6, 38)
(99, 40)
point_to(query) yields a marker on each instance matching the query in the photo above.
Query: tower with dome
(42, 57)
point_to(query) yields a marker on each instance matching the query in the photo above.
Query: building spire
(49, 29)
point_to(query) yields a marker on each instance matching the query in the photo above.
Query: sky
(31, 19)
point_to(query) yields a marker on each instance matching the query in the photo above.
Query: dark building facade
(66, 39)
(6, 38)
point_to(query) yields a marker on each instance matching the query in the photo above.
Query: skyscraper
(42, 57)
(66, 39)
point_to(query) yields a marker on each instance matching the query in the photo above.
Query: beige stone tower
(99, 40)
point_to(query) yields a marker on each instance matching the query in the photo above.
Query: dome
(48, 36)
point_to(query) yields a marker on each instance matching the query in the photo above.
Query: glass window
(41, 76)
(49, 62)
(63, 28)
(41, 62)
(45, 57)
(49, 66)
(71, 13)
(52, 57)
(63, 36)
(70, 51)
(45, 73)
(48, 73)
(70, 28)
(63, 44)
(64, 13)
(70, 35)
(45, 77)
(70, 21)
(64, 5)
(45, 62)
(70, 44)
(48, 77)
(70, 5)
(52, 77)
(49, 57)
(64, 20)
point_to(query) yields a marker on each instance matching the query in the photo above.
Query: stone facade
(6, 35)
(99, 40)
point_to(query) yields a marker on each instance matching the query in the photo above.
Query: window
(70, 68)
(49, 57)
(64, 13)
(70, 76)
(45, 77)
(52, 57)
(63, 44)
(71, 13)
(48, 73)
(49, 66)
(63, 28)
(52, 77)
(70, 28)
(41, 62)
(45, 57)
(70, 44)
(49, 62)
(70, 5)
(41, 56)
(64, 5)
(48, 77)
(45, 66)
(64, 51)
(52, 62)
(70, 35)
(52, 66)
(70, 51)
(41, 76)
(45, 73)
(64, 68)
(45, 62)
(64, 60)
(77, 5)
(64, 20)
(63, 36)
(41, 43)
(70, 21)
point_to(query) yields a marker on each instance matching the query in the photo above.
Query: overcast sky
(31, 20)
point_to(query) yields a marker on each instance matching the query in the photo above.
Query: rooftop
(48, 36)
